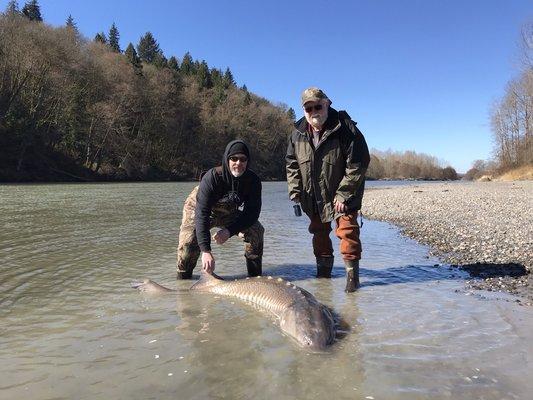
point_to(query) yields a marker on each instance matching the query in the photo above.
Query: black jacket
(218, 185)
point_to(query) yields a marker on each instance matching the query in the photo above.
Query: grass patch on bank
(523, 173)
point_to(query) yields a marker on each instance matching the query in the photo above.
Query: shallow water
(71, 326)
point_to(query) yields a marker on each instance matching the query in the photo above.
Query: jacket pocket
(331, 174)
(304, 164)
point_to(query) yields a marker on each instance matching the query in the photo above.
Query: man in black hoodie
(228, 197)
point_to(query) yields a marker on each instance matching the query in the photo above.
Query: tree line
(73, 108)
(512, 123)
(78, 109)
(511, 118)
(408, 165)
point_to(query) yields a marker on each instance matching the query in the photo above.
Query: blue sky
(417, 74)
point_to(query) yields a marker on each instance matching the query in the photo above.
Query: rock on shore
(484, 227)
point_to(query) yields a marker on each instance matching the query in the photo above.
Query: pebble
(480, 225)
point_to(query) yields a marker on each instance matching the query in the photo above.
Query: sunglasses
(317, 107)
(241, 159)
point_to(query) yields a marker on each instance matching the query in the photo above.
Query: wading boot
(187, 274)
(352, 275)
(254, 266)
(324, 265)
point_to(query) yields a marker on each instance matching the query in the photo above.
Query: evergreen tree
(148, 48)
(71, 24)
(195, 66)
(247, 98)
(173, 64)
(100, 38)
(203, 76)
(32, 11)
(132, 57)
(187, 64)
(72, 29)
(12, 8)
(160, 61)
(114, 37)
(219, 96)
(216, 77)
(291, 114)
(228, 79)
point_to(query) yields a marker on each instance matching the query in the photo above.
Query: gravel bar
(485, 228)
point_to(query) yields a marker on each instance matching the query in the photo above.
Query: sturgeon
(301, 316)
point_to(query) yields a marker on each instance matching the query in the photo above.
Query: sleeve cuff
(205, 249)
(231, 230)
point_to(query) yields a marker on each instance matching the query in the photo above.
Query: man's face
(237, 164)
(316, 113)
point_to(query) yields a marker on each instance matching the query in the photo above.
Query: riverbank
(518, 174)
(485, 228)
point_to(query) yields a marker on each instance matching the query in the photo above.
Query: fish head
(312, 325)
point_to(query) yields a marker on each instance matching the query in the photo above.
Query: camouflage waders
(221, 215)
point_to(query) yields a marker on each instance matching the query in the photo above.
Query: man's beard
(318, 121)
(236, 174)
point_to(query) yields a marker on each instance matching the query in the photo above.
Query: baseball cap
(313, 94)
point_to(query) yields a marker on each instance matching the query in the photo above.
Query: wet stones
(485, 228)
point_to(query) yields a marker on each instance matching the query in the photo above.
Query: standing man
(327, 158)
(228, 197)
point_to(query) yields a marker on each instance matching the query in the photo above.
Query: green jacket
(334, 170)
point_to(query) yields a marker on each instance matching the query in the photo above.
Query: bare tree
(526, 46)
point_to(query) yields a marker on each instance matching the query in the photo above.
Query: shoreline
(484, 228)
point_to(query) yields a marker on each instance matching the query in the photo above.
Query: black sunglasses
(317, 107)
(241, 159)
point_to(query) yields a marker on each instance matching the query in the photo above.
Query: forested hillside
(79, 109)
(75, 109)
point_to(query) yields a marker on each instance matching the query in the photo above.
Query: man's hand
(339, 207)
(221, 236)
(208, 262)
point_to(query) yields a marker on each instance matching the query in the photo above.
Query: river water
(72, 328)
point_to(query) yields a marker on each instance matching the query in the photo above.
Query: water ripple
(70, 320)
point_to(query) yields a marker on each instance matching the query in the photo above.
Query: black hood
(226, 173)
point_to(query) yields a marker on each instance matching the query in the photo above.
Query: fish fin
(216, 276)
(206, 281)
(149, 286)
(343, 328)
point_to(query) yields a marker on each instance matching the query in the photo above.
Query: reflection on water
(72, 328)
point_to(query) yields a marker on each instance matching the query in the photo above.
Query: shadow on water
(368, 276)
(493, 277)
(405, 273)
(372, 277)
(394, 275)
(487, 270)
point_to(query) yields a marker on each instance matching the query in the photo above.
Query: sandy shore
(485, 228)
